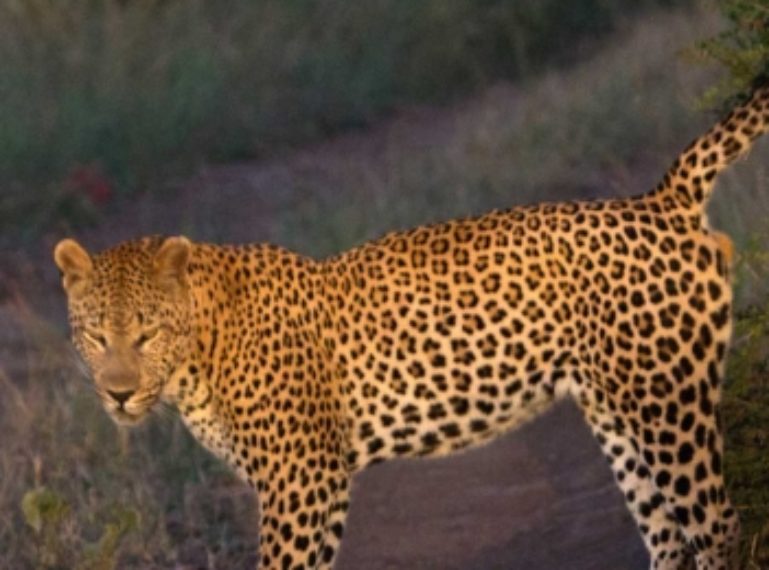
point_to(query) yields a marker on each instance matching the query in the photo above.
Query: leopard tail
(688, 184)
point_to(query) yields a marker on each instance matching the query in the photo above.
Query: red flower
(88, 180)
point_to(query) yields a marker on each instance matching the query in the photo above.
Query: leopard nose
(121, 397)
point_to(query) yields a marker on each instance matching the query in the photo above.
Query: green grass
(132, 93)
(83, 495)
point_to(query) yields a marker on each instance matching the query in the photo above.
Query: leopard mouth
(124, 418)
(132, 410)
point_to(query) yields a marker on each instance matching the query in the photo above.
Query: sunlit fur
(299, 373)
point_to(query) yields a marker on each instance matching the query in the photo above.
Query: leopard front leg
(302, 520)
(335, 525)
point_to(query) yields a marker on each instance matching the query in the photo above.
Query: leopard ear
(171, 260)
(75, 265)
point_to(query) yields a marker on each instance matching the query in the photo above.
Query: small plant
(102, 555)
(45, 511)
(49, 514)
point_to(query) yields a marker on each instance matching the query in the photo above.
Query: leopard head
(130, 313)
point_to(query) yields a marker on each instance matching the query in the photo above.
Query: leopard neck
(193, 388)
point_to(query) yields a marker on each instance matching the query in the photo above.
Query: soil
(541, 498)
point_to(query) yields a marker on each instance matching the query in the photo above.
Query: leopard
(301, 372)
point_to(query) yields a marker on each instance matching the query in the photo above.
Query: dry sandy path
(541, 498)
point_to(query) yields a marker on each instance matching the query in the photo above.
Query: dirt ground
(539, 499)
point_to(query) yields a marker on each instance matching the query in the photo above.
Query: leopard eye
(96, 339)
(146, 337)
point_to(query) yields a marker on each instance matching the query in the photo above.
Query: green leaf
(43, 507)
(102, 555)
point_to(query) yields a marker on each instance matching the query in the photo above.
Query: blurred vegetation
(102, 98)
(742, 49)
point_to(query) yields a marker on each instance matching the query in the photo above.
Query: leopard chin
(127, 419)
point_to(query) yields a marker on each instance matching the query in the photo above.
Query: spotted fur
(299, 373)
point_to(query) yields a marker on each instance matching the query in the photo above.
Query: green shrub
(742, 49)
(746, 417)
